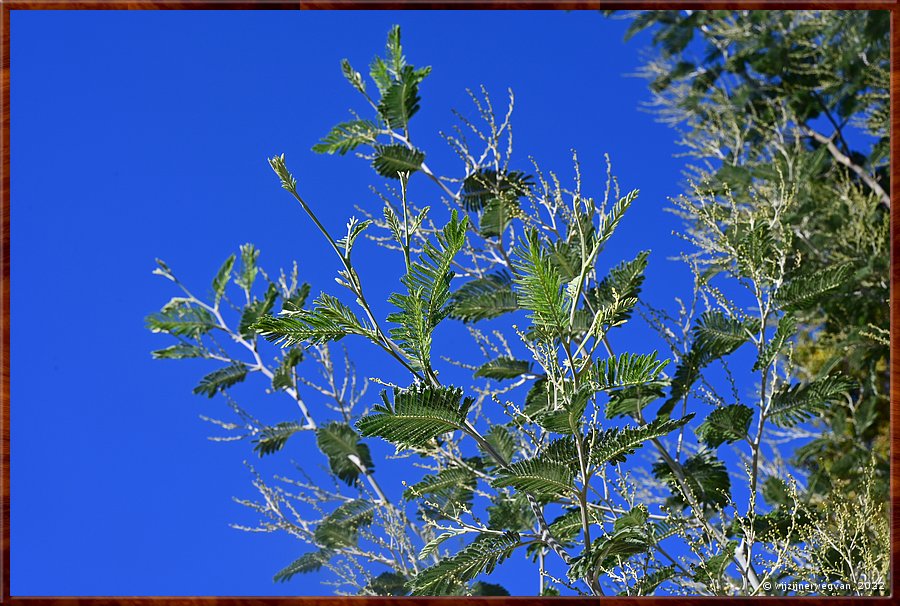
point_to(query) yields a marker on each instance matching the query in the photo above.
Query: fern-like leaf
(272, 439)
(541, 477)
(799, 402)
(182, 320)
(624, 283)
(540, 287)
(787, 325)
(222, 277)
(482, 555)
(340, 527)
(425, 304)
(418, 415)
(346, 137)
(714, 336)
(221, 379)
(283, 377)
(487, 184)
(706, 477)
(387, 584)
(329, 320)
(503, 367)
(308, 562)
(728, 424)
(806, 291)
(614, 444)
(180, 351)
(627, 370)
(400, 101)
(391, 160)
(345, 451)
(485, 298)
(631, 400)
(256, 309)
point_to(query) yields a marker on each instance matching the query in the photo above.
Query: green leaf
(340, 528)
(329, 320)
(182, 320)
(353, 77)
(445, 501)
(797, 403)
(220, 380)
(426, 303)
(567, 413)
(308, 562)
(543, 478)
(510, 512)
(806, 291)
(606, 551)
(179, 351)
(378, 70)
(486, 184)
(355, 228)
(249, 255)
(714, 336)
(717, 333)
(288, 181)
(624, 283)
(728, 424)
(400, 101)
(418, 415)
(391, 160)
(256, 309)
(395, 50)
(787, 326)
(445, 481)
(283, 377)
(432, 545)
(295, 300)
(272, 439)
(503, 367)
(221, 279)
(482, 588)
(629, 400)
(387, 584)
(706, 477)
(566, 527)
(614, 444)
(627, 370)
(635, 518)
(347, 136)
(537, 400)
(562, 450)
(485, 298)
(342, 445)
(497, 215)
(500, 438)
(540, 287)
(482, 555)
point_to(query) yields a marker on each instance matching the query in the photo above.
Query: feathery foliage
(481, 555)
(417, 415)
(346, 453)
(485, 298)
(220, 380)
(272, 439)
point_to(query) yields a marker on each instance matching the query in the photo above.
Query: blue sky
(145, 134)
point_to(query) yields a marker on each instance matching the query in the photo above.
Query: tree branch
(845, 160)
